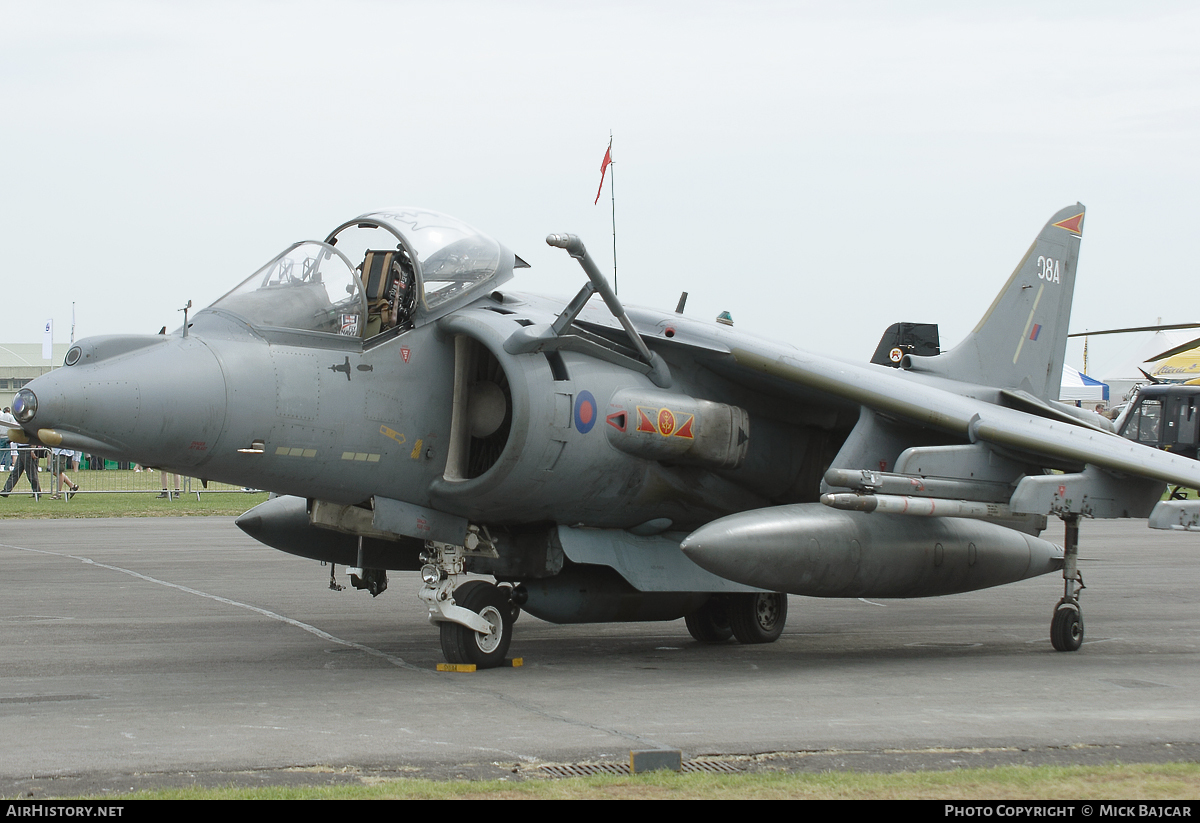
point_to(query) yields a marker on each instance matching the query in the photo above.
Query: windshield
(1142, 424)
(311, 287)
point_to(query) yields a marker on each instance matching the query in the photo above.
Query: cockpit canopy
(430, 265)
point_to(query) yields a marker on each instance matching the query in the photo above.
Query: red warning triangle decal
(645, 424)
(1072, 224)
(686, 429)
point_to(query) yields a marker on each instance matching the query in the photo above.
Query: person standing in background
(27, 462)
(60, 461)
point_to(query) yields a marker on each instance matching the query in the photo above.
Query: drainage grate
(583, 769)
(589, 769)
(712, 767)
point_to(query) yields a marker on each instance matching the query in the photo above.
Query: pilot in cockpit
(388, 279)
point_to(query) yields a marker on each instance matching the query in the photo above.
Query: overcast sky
(820, 170)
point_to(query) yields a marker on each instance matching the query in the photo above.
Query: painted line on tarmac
(496, 694)
(313, 630)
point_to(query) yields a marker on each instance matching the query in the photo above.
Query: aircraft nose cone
(151, 399)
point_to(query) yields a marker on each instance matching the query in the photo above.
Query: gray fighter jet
(411, 412)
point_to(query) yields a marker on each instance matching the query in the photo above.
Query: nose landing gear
(461, 644)
(475, 617)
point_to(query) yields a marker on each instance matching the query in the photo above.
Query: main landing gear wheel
(1066, 629)
(463, 645)
(757, 618)
(710, 622)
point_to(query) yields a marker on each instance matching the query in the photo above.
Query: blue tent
(1078, 386)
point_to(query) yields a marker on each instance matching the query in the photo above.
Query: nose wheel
(462, 644)
(474, 618)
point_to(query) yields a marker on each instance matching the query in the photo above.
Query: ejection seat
(387, 290)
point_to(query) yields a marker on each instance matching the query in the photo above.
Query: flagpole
(612, 190)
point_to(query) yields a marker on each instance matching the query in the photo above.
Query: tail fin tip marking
(1072, 224)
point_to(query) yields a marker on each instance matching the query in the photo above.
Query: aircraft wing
(921, 402)
(990, 399)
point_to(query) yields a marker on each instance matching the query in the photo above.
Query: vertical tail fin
(1021, 341)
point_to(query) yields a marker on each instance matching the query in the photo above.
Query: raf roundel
(585, 412)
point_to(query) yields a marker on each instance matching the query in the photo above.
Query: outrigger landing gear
(1066, 629)
(475, 617)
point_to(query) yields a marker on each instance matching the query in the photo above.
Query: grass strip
(1169, 781)
(21, 505)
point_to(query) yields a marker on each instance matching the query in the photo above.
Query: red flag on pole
(604, 164)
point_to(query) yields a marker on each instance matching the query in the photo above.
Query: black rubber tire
(710, 622)
(757, 618)
(463, 645)
(1066, 629)
(513, 608)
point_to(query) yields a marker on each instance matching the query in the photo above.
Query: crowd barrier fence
(94, 475)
